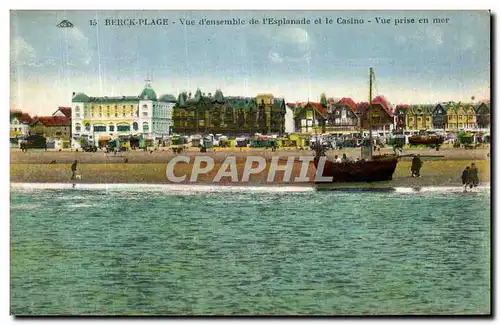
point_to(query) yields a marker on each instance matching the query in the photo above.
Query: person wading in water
(73, 169)
(473, 176)
(416, 165)
(465, 178)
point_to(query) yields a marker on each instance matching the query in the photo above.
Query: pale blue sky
(416, 63)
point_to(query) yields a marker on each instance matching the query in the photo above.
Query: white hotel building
(103, 118)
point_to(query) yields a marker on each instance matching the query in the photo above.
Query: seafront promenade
(440, 168)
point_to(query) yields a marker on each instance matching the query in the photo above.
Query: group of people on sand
(345, 160)
(470, 177)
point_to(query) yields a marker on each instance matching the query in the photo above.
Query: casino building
(100, 119)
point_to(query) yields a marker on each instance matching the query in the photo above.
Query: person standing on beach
(416, 165)
(73, 169)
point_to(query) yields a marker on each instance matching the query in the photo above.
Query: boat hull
(425, 140)
(377, 170)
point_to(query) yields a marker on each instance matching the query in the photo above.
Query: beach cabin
(241, 142)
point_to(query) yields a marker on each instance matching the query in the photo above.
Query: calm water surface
(131, 251)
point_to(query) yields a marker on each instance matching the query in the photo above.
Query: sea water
(132, 250)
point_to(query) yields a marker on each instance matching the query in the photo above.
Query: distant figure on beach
(416, 165)
(344, 158)
(465, 177)
(24, 147)
(337, 159)
(473, 176)
(73, 169)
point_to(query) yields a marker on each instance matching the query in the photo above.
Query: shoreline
(207, 188)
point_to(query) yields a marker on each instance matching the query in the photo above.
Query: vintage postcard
(250, 162)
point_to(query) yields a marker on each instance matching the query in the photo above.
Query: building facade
(52, 127)
(400, 117)
(19, 124)
(229, 115)
(380, 116)
(439, 117)
(482, 111)
(310, 117)
(342, 116)
(101, 118)
(418, 117)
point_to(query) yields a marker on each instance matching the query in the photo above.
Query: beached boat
(371, 168)
(426, 138)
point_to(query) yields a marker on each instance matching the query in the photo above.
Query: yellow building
(470, 117)
(452, 117)
(418, 117)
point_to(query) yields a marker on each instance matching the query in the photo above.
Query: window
(59, 133)
(77, 109)
(78, 127)
(87, 127)
(145, 127)
(111, 128)
(135, 126)
(77, 115)
(144, 113)
(123, 128)
(99, 128)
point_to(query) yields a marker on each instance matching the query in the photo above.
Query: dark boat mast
(370, 138)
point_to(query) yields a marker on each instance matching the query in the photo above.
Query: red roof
(348, 102)
(24, 118)
(65, 110)
(53, 120)
(21, 117)
(318, 107)
(386, 105)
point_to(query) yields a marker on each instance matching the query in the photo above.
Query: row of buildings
(153, 117)
(346, 116)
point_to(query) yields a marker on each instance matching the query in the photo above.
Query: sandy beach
(150, 168)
